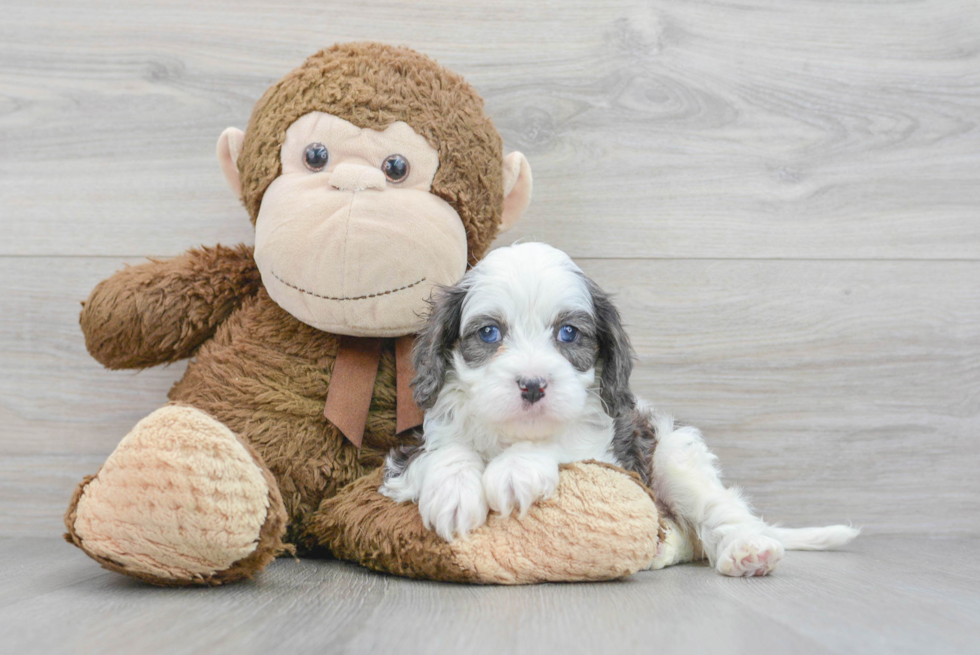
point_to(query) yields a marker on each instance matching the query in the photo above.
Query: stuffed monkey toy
(371, 175)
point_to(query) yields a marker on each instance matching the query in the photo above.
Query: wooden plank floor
(898, 594)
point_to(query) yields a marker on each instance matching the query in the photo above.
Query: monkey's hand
(161, 311)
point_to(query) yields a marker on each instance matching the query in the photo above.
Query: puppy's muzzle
(532, 389)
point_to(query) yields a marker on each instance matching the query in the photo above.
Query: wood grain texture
(750, 177)
(783, 195)
(744, 128)
(883, 595)
(832, 391)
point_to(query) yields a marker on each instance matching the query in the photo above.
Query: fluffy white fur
(485, 448)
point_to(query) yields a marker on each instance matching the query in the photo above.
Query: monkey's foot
(181, 501)
(600, 524)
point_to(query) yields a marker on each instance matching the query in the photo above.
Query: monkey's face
(349, 238)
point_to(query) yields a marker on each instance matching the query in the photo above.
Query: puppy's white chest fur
(573, 442)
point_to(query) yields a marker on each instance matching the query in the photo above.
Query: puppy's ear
(432, 352)
(615, 353)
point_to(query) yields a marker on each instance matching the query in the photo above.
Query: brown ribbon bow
(352, 385)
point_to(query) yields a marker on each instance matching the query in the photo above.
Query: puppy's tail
(826, 538)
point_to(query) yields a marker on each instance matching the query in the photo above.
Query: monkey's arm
(161, 311)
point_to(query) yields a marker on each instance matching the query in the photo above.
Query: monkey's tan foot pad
(600, 524)
(181, 501)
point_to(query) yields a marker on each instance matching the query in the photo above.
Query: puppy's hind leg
(687, 480)
(679, 546)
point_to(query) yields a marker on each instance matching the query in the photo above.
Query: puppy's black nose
(532, 389)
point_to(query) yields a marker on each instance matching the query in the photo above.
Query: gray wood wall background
(784, 195)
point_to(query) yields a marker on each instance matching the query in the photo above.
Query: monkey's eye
(489, 334)
(567, 334)
(395, 168)
(316, 157)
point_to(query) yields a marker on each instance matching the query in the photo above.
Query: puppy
(523, 366)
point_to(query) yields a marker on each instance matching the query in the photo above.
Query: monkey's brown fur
(256, 368)
(161, 312)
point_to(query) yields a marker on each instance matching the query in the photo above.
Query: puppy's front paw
(454, 506)
(517, 482)
(749, 555)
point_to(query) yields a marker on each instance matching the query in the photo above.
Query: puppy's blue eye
(490, 334)
(567, 334)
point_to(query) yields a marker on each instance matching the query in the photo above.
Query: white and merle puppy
(523, 366)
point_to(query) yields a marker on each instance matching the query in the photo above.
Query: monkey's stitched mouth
(343, 298)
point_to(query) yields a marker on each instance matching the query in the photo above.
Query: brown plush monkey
(371, 175)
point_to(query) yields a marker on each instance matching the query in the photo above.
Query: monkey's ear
(229, 147)
(517, 189)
